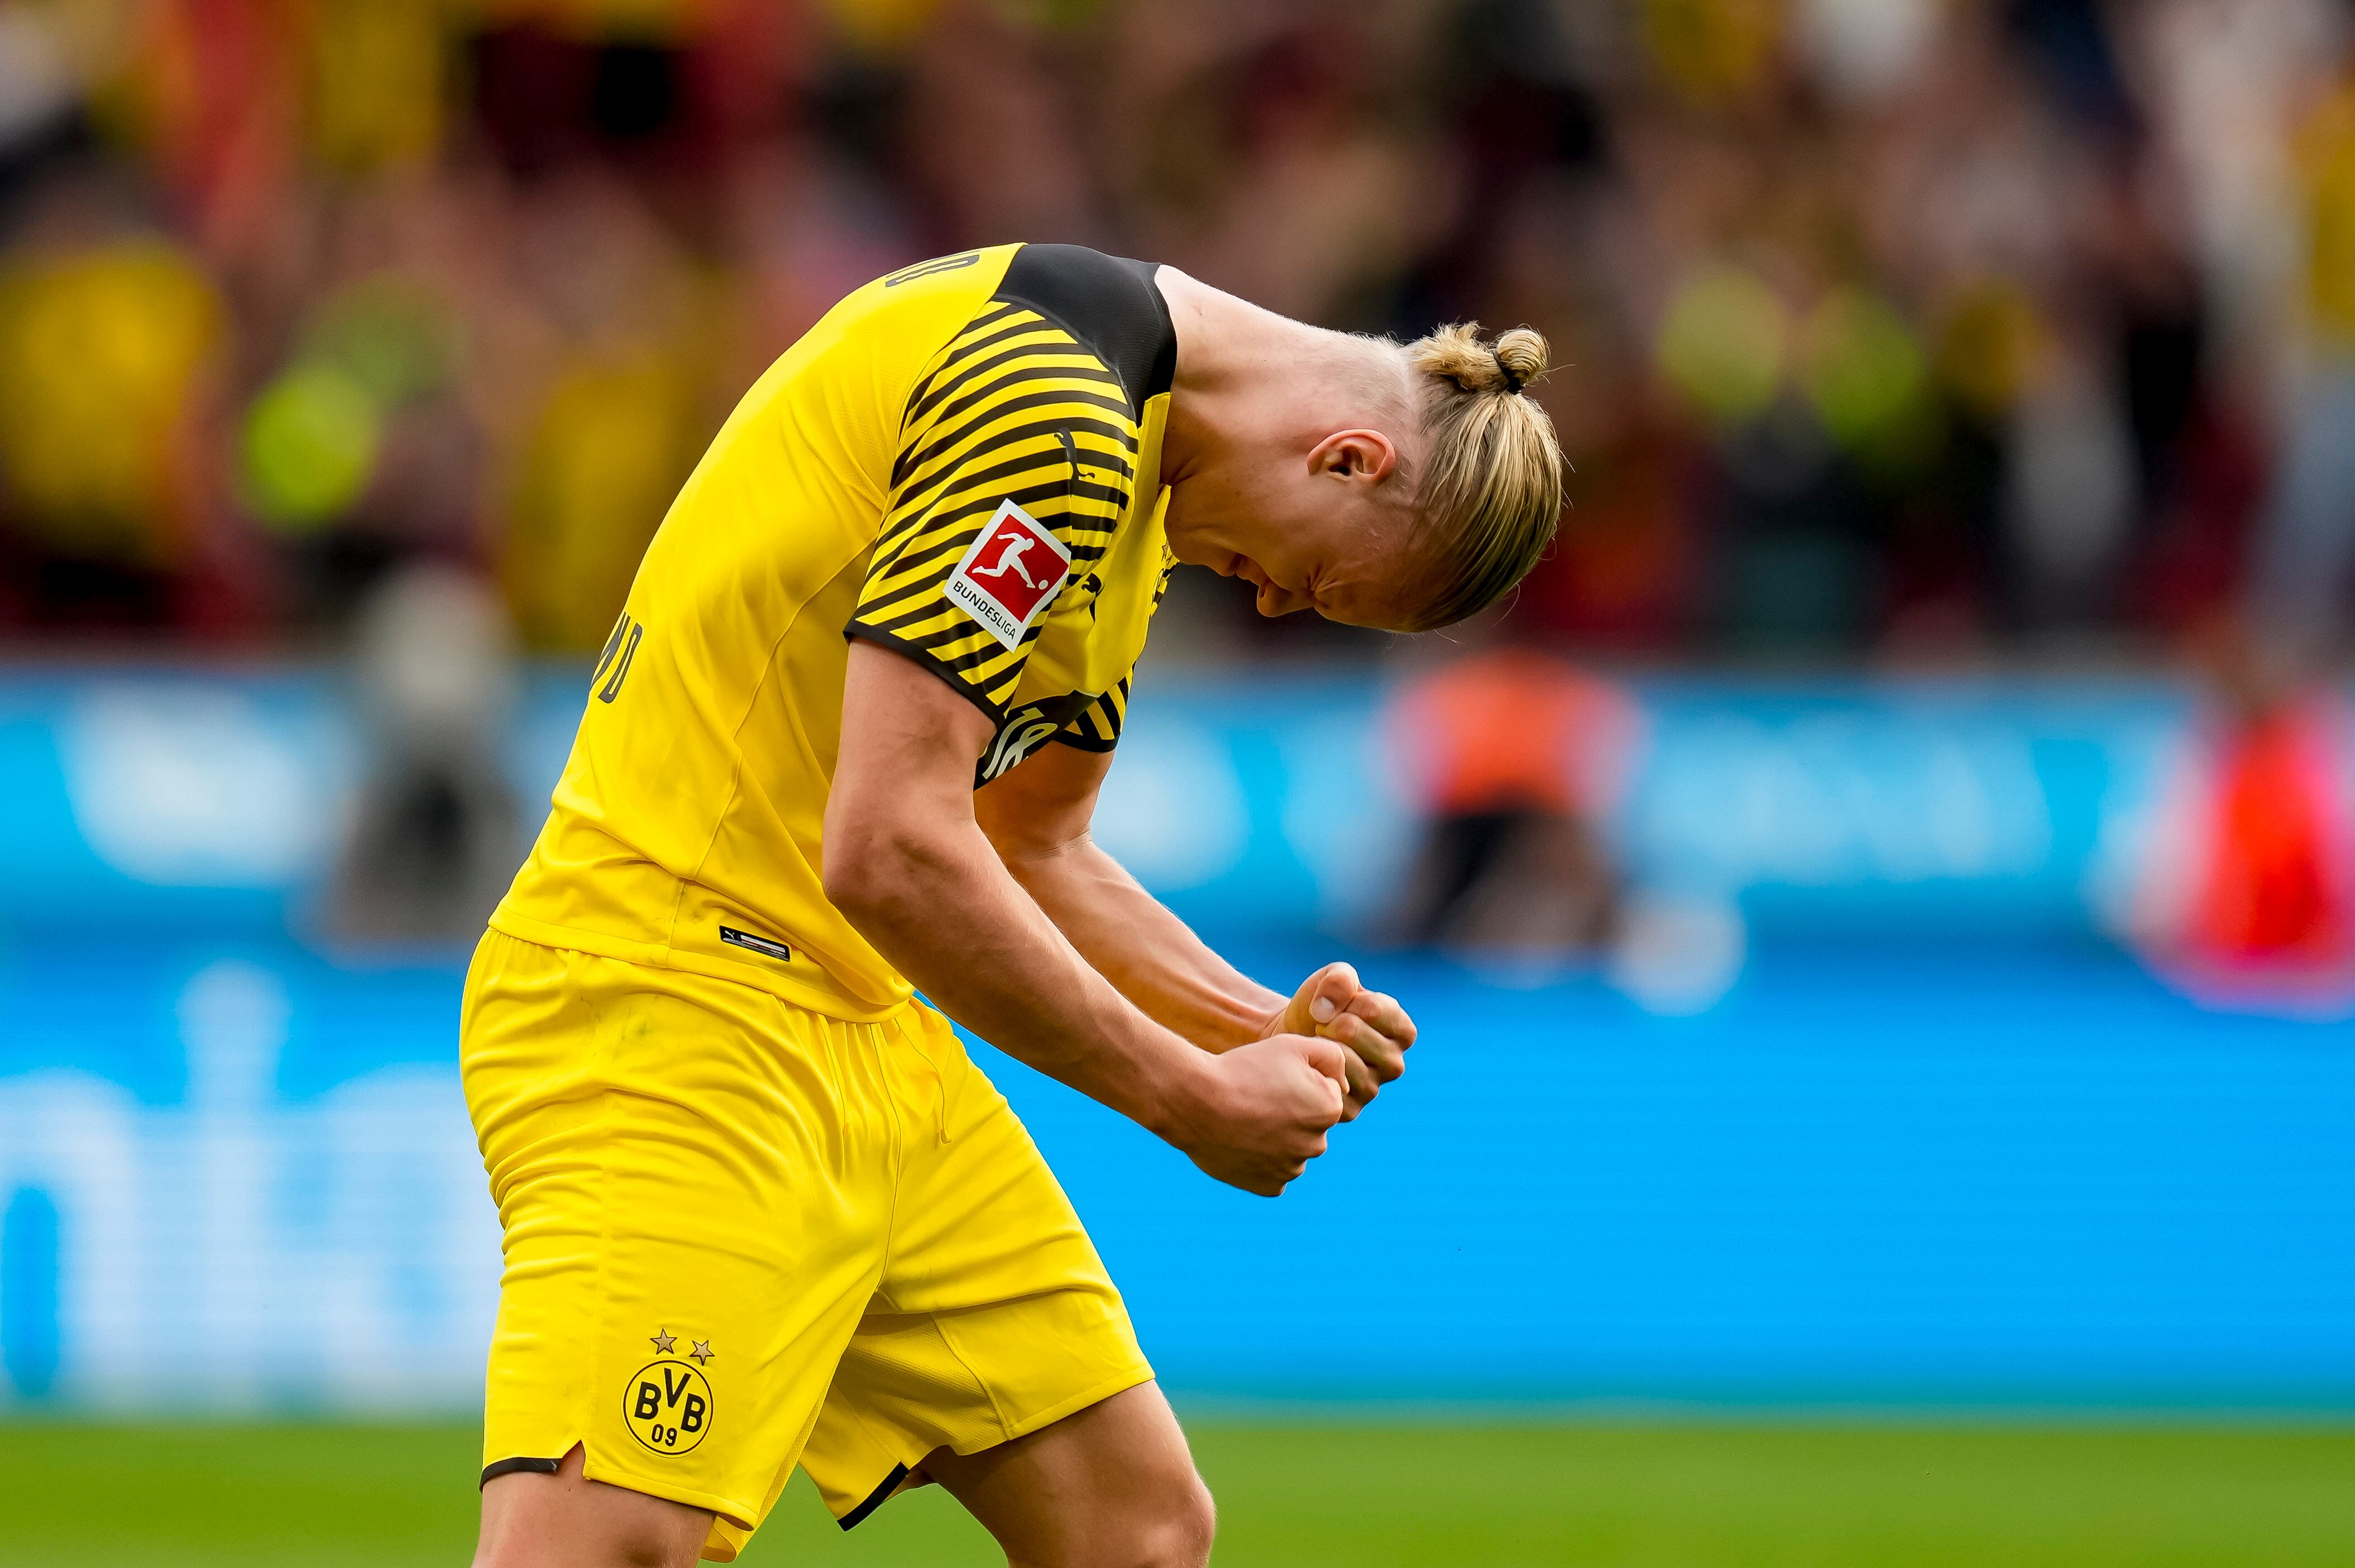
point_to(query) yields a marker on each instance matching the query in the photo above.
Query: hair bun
(1455, 354)
(1521, 357)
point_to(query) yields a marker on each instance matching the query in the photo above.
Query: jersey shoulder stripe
(1108, 302)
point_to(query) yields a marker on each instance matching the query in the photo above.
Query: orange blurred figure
(2269, 892)
(2246, 895)
(1513, 757)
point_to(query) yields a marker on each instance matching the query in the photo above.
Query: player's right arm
(908, 864)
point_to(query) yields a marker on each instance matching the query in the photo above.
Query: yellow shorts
(740, 1235)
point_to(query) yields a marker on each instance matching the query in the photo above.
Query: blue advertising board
(172, 799)
(1920, 1133)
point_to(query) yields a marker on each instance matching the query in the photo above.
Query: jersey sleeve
(1098, 725)
(1016, 459)
(1097, 728)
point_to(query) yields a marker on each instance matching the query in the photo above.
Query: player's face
(1286, 580)
(1303, 541)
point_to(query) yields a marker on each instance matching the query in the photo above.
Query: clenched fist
(1332, 1004)
(1259, 1113)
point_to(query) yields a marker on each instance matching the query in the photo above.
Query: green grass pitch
(1597, 1495)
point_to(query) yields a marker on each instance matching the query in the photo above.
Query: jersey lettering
(930, 268)
(621, 648)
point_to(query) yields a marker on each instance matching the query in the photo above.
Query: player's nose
(1274, 599)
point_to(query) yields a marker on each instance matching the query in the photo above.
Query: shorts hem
(1134, 1377)
(518, 1465)
(881, 1493)
(875, 1500)
(730, 1510)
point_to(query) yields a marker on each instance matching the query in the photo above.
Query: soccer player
(843, 746)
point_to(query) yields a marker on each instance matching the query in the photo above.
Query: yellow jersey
(960, 462)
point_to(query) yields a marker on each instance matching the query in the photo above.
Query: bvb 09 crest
(667, 1406)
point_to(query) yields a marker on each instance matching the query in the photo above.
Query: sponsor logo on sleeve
(1010, 574)
(1027, 729)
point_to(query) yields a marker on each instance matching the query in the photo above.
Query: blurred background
(1880, 901)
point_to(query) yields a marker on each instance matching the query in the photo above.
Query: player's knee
(1180, 1535)
(647, 1550)
(614, 1548)
(1152, 1526)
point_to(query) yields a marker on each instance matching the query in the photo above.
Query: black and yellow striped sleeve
(1098, 726)
(1016, 459)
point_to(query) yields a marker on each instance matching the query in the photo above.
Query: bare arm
(907, 861)
(1038, 818)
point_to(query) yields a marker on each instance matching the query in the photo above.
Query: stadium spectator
(1511, 758)
(619, 416)
(109, 332)
(2309, 545)
(437, 831)
(2249, 892)
(1898, 326)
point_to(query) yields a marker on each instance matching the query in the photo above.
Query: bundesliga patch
(1010, 574)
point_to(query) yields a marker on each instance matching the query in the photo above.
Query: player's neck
(1240, 368)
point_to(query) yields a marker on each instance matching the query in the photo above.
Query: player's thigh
(994, 1318)
(567, 1520)
(1113, 1485)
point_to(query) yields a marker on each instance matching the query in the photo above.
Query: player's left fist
(1375, 1028)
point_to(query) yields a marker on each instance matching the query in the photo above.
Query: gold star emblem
(662, 1340)
(702, 1352)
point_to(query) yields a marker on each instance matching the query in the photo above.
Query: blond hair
(1491, 485)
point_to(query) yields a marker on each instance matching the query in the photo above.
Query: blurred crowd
(1883, 326)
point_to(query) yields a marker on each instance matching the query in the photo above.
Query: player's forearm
(1153, 957)
(938, 903)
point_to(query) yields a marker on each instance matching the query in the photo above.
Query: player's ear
(1364, 455)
